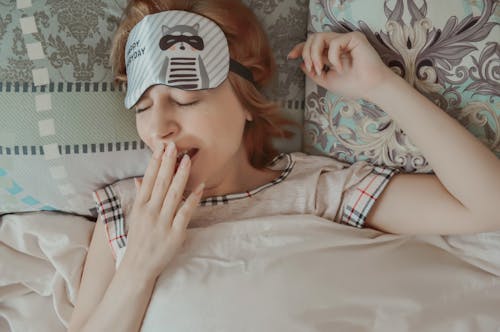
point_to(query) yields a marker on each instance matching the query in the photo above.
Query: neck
(239, 177)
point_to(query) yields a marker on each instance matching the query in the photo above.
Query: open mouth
(191, 152)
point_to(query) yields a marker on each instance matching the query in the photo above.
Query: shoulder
(114, 198)
(113, 203)
(326, 166)
(304, 158)
(327, 174)
(345, 192)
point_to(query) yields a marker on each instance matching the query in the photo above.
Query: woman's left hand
(354, 67)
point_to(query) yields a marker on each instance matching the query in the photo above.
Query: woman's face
(207, 123)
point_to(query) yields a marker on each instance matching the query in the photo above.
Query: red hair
(248, 44)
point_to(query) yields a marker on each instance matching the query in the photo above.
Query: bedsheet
(41, 260)
(281, 273)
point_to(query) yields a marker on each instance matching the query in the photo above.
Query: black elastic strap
(241, 70)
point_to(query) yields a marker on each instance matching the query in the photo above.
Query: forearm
(467, 169)
(124, 303)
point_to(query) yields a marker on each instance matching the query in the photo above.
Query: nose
(164, 125)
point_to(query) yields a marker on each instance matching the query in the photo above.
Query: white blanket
(283, 273)
(41, 261)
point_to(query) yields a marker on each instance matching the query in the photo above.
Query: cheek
(140, 125)
(228, 129)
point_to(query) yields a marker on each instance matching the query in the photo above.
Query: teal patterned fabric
(447, 50)
(63, 129)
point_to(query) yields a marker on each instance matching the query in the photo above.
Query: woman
(199, 109)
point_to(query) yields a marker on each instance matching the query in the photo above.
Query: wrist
(389, 82)
(136, 272)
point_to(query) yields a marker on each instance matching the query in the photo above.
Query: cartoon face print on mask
(190, 52)
(183, 66)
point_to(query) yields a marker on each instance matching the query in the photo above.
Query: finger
(327, 66)
(334, 55)
(175, 191)
(138, 183)
(185, 212)
(318, 48)
(296, 51)
(151, 173)
(306, 53)
(318, 79)
(164, 177)
(337, 49)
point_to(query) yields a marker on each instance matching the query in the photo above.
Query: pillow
(448, 50)
(286, 25)
(63, 128)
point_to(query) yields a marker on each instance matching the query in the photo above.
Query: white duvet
(283, 273)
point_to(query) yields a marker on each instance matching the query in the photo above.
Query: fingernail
(184, 161)
(318, 71)
(170, 149)
(158, 150)
(308, 67)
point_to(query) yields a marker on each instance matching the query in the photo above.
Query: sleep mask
(179, 49)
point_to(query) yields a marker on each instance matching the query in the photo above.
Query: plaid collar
(225, 199)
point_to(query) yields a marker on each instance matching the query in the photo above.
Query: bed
(63, 134)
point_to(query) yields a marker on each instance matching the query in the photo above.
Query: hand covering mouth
(191, 152)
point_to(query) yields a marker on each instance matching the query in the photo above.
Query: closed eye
(186, 104)
(139, 110)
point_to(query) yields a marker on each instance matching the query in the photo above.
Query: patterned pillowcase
(63, 130)
(286, 25)
(452, 59)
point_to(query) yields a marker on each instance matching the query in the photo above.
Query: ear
(248, 116)
(196, 27)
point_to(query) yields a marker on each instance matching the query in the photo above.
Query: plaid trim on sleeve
(110, 210)
(360, 199)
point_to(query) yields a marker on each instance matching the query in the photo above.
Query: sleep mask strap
(241, 70)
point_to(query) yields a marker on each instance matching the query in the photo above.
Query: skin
(211, 120)
(168, 120)
(461, 197)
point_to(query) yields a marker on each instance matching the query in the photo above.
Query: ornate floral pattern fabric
(448, 50)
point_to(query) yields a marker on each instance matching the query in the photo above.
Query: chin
(193, 181)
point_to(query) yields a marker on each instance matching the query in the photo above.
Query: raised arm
(463, 195)
(465, 198)
(117, 301)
